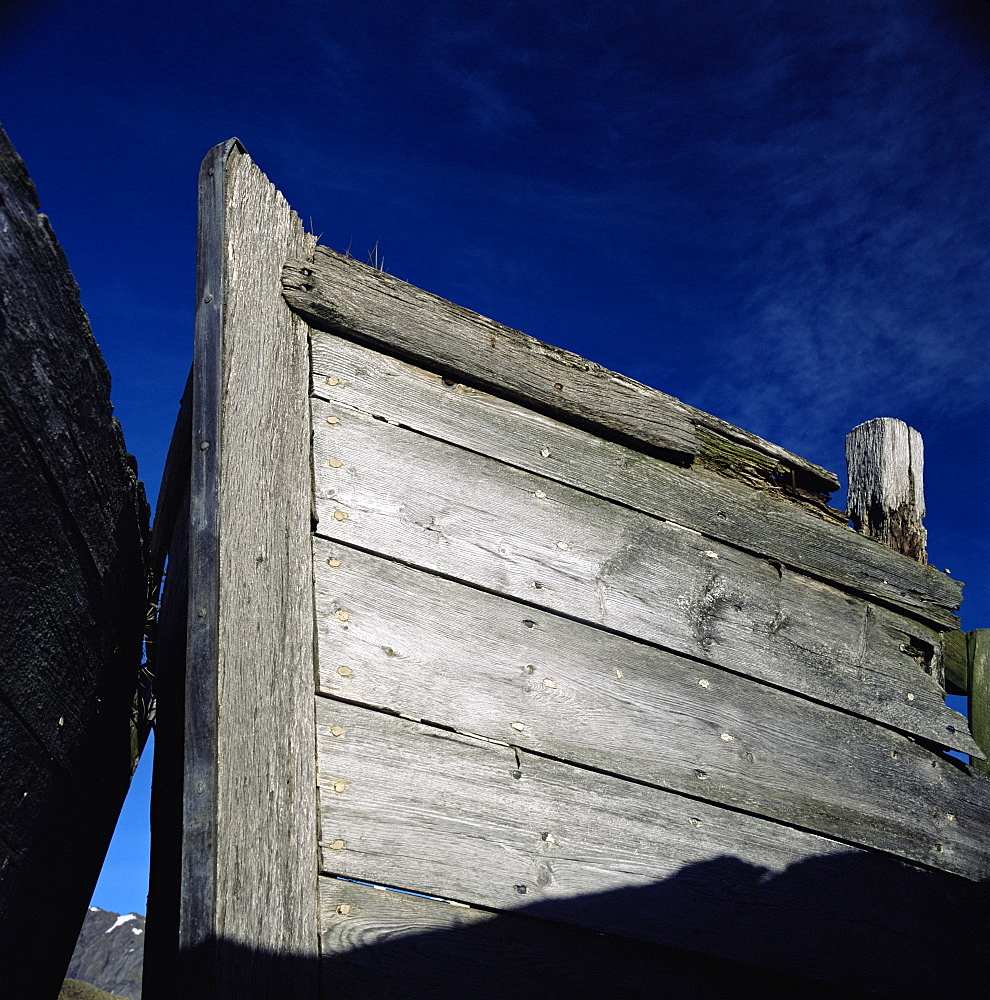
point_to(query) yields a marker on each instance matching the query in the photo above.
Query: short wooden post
(885, 461)
(978, 642)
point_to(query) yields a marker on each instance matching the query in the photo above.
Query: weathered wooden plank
(392, 491)
(249, 872)
(73, 591)
(335, 293)
(885, 459)
(379, 943)
(418, 808)
(434, 649)
(345, 373)
(978, 642)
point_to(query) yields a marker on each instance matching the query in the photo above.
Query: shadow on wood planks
(391, 944)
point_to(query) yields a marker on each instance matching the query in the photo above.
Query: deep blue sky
(778, 212)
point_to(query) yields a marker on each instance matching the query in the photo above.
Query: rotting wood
(378, 943)
(249, 878)
(459, 514)
(978, 642)
(349, 374)
(448, 815)
(436, 650)
(335, 293)
(885, 460)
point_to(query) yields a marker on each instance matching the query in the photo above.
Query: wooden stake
(885, 461)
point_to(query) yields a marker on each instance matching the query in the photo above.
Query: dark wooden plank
(392, 491)
(336, 293)
(73, 596)
(436, 650)
(379, 943)
(249, 872)
(348, 374)
(886, 462)
(418, 808)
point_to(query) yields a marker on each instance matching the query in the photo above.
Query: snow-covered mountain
(110, 952)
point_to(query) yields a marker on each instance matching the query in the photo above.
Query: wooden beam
(885, 461)
(249, 900)
(340, 295)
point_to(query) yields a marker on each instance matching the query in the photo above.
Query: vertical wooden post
(978, 643)
(885, 461)
(248, 924)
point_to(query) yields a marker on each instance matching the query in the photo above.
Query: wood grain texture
(335, 293)
(379, 943)
(349, 374)
(73, 591)
(398, 493)
(249, 873)
(886, 464)
(436, 650)
(448, 815)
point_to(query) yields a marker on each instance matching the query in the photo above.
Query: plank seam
(922, 741)
(913, 613)
(642, 782)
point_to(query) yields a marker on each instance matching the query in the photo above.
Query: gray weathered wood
(378, 943)
(338, 294)
(392, 491)
(353, 375)
(73, 593)
(249, 873)
(978, 642)
(436, 650)
(418, 808)
(885, 459)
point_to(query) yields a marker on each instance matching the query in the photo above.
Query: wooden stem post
(885, 461)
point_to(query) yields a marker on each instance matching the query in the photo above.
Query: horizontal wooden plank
(436, 650)
(336, 293)
(415, 807)
(389, 490)
(379, 943)
(353, 375)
